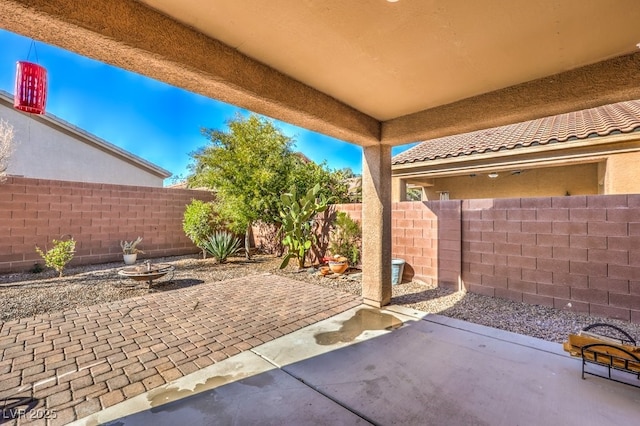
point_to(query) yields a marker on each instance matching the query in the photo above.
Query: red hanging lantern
(31, 88)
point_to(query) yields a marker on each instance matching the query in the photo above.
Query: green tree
(249, 166)
(307, 174)
(351, 184)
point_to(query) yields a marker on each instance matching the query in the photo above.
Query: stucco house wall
(621, 175)
(581, 179)
(46, 147)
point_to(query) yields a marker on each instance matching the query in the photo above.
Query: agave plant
(221, 245)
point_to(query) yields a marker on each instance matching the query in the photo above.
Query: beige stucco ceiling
(393, 59)
(366, 71)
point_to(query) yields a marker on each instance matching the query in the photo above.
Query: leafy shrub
(346, 238)
(61, 254)
(221, 245)
(199, 223)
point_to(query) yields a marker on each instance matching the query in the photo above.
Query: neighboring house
(594, 151)
(46, 147)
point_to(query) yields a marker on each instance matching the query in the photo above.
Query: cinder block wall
(553, 251)
(98, 216)
(580, 253)
(427, 235)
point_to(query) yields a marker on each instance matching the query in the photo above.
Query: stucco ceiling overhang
(363, 71)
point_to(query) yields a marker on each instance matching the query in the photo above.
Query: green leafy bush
(61, 254)
(199, 223)
(346, 238)
(221, 245)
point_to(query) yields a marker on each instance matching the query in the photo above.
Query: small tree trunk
(277, 240)
(204, 254)
(247, 242)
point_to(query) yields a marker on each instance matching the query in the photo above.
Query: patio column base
(373, 303)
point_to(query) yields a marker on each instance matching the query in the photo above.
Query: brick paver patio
(78, 362)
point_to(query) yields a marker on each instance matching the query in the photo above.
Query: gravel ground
(29, 294)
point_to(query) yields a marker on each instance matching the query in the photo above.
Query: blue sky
(151, 119)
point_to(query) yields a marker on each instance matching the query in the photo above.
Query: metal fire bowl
(148, 273)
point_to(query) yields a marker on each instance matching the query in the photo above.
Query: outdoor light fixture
(493, 175)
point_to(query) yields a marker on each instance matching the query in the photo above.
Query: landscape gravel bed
(28, 294)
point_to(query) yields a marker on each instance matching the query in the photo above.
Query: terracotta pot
(338, 267)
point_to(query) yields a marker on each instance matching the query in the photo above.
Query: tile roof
(623, 117)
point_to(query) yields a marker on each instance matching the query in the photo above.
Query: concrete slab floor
(244, 390)
(391, 366)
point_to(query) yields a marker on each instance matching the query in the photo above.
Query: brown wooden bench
(608, 346)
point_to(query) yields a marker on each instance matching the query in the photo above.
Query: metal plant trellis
(30, 93)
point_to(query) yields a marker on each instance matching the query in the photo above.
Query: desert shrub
(221, 245)
(58, 256)
(199, 223)
(345, 238)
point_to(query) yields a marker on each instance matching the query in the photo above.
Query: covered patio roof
(365, 72)
(375, 73)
